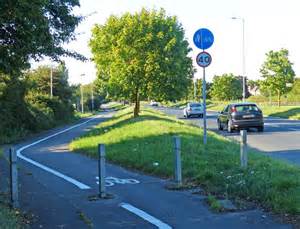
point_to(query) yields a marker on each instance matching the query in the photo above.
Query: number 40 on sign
(203, 59)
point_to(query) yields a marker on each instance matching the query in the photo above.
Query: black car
(241, 116)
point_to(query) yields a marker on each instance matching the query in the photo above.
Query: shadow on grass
(287, 114)
(129, 121)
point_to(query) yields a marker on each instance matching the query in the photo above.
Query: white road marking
(54, 172)
(111, 181)
(145, 216)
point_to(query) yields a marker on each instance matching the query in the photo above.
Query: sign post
(203, 39)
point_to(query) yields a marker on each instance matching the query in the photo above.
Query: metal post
(178, 175)
(81, 93)
(101, 165)
(204, 108)
(14, 178)
(243, 149)
(92, 98)
(195, 89)
(51, 82)
(244, 62)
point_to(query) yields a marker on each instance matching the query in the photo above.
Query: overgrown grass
(9, 219)
(146, 143)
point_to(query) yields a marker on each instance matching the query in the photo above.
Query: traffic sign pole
(203, 39)
(204, 108)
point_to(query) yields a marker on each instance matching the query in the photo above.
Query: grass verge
(9, 219)
(145, 143)
(289, 112)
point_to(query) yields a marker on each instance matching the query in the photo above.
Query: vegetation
(142, 55)
(30, 30)
(27, 106)
(226, 87)
(9, 219)
(146, 143)
(278, 73)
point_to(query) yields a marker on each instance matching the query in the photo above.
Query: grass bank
(145, 143)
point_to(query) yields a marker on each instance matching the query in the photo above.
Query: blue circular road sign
(203, 59)
(203, 38)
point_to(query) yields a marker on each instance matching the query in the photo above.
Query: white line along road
(54, 172)
(145, 216)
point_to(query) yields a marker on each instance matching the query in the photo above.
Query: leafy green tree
(226, 87)
(278, 73)
(142, 55)
(87, 91)
(32, 29)
(39, 80)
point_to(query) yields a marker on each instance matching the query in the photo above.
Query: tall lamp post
(51, 82)
(92, 90)
(243, 53)
(81, 95)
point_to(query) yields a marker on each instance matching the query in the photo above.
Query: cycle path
(56, 202)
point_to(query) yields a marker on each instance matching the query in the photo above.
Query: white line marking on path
(56, 173)
(145, 216)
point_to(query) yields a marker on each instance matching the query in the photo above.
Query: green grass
(289, 112)
(9, 219)
(140, 143)
(79, 115)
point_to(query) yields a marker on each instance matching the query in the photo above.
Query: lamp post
(51, 82)
(81, 95)
(243, 53)
(92, 90)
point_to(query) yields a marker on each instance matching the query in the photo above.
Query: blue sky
(269, 25)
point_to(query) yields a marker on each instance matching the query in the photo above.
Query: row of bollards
(102, 172)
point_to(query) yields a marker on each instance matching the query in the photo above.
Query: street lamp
(51, 82)
(81, 94)
(92, 89)
(244, 58)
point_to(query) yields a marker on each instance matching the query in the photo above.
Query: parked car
(153, 103)
(193, 109)
(241, 116)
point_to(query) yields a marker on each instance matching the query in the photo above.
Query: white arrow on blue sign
(203, 38)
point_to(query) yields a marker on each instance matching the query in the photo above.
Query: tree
(142, 55)
(277, 72)
(226, 87)
(32, 29)
(39, 81)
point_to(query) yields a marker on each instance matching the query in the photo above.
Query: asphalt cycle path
(280, 138)
(59, 188)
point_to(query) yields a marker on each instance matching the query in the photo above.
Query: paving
(136, 200)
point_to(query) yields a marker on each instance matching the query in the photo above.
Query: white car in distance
(193, 109)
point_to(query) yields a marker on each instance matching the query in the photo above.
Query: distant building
(254, 90)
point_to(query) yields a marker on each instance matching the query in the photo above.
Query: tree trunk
(137, 104)
(278, 98)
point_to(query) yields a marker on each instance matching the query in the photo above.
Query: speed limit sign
(203, 59)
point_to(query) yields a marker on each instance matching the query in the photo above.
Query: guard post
(243, 149)
(101, 169)
(14, 192)
(178, 173)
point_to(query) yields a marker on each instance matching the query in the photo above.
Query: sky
(269, 25)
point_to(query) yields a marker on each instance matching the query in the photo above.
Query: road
(59, 188)
(280, 138)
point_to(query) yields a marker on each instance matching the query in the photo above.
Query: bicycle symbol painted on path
(111, 181)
